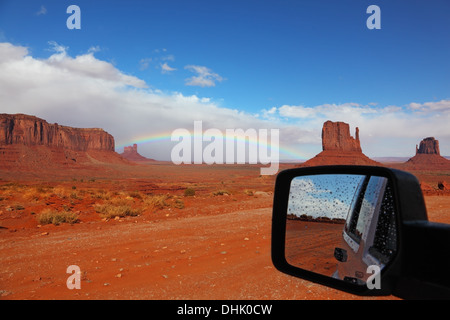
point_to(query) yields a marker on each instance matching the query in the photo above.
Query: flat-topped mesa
(336, 137)
(428, 146)
(21, 129)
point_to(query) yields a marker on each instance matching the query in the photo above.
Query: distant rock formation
(428, 146)
(130, 153)
(427, 156)
(339, 147)
(21, 129)
(30, 144)
(336, 137)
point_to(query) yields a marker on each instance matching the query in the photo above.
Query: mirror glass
(342, 226)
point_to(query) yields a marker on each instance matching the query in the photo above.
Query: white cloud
(295, 111)
(427, 107)
(42, 11)
(165, 68)
(155, 57)
(89, 66)
(169, 57)
(57, 48)
(94, 49)
(9, 53)
(144, 63)
(205, 77)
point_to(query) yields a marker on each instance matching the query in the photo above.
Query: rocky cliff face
(336, 136)
(428, 146)
(21, 129)
(32, 147)
(339, 147)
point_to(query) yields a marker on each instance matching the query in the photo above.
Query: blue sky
(285, 64)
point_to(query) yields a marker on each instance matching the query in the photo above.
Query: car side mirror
(356, 229)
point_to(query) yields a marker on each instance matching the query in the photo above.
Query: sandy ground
(216, 247)
(224, 257)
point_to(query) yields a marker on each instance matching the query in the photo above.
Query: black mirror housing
(410, 209)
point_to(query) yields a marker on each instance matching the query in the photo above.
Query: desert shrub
(75, 195)
(117, 207)
(189, 192)
(153, 202)
(220, 193)
(135, 194)
(37, 192)
(43, 189)
(60, 192)
(51, 216)
(109, 210)
(101, 194)
(11, 186)
(179, 204)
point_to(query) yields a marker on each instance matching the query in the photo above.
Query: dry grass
(155, 202)
(102, 194)
(61, 192)
(117, 207)
(51, 216)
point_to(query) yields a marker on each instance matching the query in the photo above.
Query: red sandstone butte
(339, 147)
(428, 146)
(428, 156)
(336, 137)
(130, 153)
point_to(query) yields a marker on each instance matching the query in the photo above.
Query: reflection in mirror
(339, 225)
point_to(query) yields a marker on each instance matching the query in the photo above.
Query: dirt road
(224, 256)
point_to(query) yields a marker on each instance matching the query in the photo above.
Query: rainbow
(166, 136)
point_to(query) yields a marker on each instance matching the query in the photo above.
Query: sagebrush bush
(51, 216)
(111, 210)
(189, 192)
(153, 202)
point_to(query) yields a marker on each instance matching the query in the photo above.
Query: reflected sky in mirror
(327, 196)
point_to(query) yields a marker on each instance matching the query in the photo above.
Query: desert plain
(180, 232)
